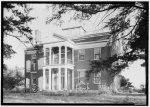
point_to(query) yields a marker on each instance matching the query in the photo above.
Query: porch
(55, 55)
(60, 78)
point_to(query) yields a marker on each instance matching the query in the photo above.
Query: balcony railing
(69, 61)
(62, 60)
(56, 61)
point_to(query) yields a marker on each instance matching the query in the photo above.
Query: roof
(74, 28)
(92, 37)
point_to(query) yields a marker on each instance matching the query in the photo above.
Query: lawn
(101, 99)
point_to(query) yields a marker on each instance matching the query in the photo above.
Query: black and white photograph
(74, 53)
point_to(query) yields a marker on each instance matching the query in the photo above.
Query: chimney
(37, 37)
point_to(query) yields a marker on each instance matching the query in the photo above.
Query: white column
(66, 84)
(50, 78)
(59, 78)
(65, 54)
(43, 79)
(59, 54)
(72, 79)
(50, 56)
(72, 56)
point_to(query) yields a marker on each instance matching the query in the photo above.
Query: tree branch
(17, 37)
(126, 34)
(105, 17)
(12, 35)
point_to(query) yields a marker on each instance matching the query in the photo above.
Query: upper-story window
(33, 56)
(47, 56)
(33, 61)
(82, 54)
(97, 53)
(97, 78)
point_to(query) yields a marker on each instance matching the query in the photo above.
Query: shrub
(10, 81)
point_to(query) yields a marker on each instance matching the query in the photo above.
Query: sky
(135, 72)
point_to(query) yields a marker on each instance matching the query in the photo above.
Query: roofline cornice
(82, 43)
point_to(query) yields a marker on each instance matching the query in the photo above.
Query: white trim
(58, 65)
(86, 46)
(63, 38)
(57, 44)
(59, 36)
(100, 41)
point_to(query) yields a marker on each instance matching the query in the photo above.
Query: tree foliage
(125, 82)
(128, 22)
(12, 78)
(118, 24)
(15, 20)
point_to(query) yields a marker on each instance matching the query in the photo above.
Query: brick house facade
(62, 64)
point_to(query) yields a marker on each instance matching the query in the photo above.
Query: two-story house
(62, 63)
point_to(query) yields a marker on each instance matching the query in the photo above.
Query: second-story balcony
(58, 55)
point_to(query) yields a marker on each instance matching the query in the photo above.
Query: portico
(58, 69)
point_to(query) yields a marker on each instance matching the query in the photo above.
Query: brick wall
(85, 65)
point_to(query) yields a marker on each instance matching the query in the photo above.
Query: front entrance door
(55, 79)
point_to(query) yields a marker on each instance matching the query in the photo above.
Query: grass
(42, 97)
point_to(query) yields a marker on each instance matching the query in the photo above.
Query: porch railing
(56, 61)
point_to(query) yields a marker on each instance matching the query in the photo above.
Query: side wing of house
(33, 68)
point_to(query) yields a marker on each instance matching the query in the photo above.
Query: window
(33, 64)
(97, 78)
(81, 54)
(33, 78)
(97, 53)
(28, 66)
(81, 75)
(33, 56)
(47, 56)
